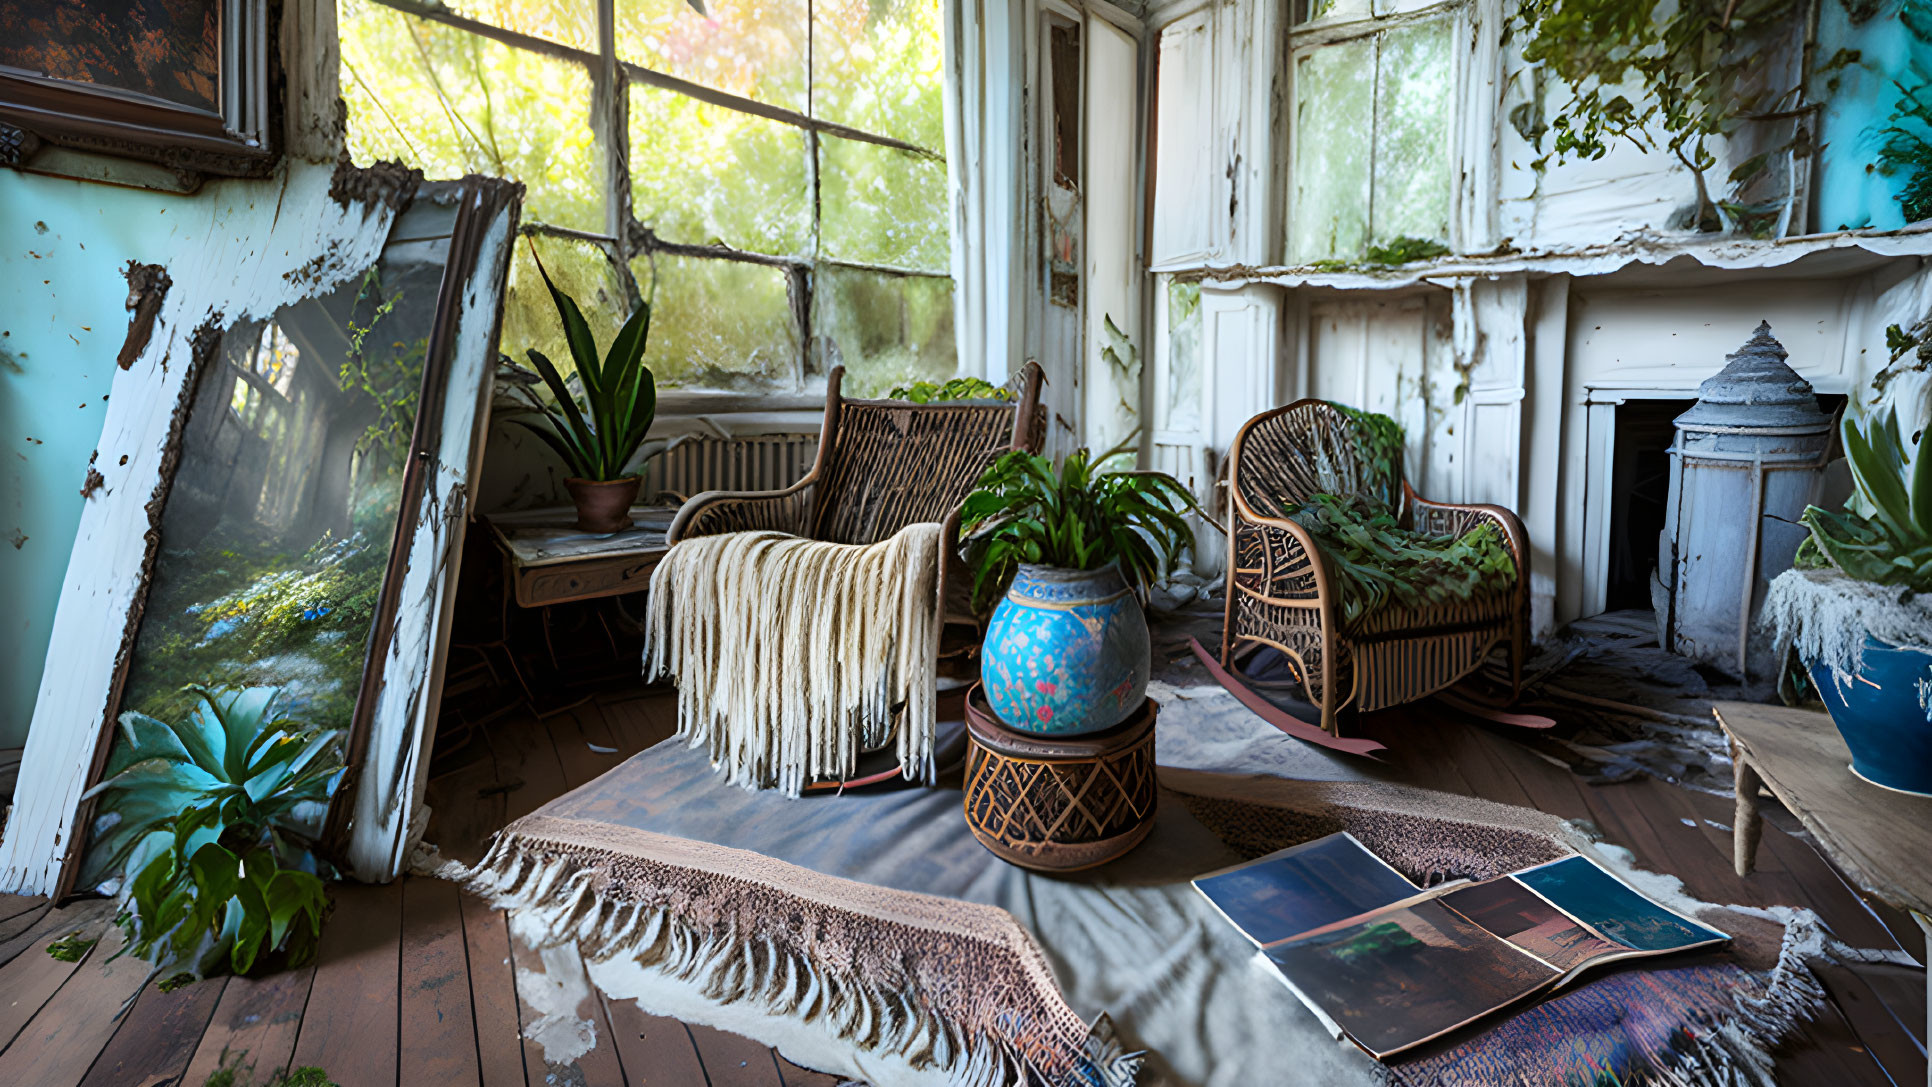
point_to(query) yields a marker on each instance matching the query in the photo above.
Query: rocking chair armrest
(1305, 560)
(715, 512)
(1452, 518)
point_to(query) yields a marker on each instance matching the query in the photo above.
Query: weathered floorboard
(32, 976)
(438, 1034)
(157, 1038)
(493, 994)
(349, 1027)
(61, 1041)
(254, 1025)
(655, 1050)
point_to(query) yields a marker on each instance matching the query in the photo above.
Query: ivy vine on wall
(1666, 75)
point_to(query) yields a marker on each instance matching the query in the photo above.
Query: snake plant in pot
(1858, 605)
(1066, 651)
(601, 441)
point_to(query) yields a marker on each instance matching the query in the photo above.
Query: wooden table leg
(1747, 823)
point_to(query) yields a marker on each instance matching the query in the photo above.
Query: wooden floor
(417, 983)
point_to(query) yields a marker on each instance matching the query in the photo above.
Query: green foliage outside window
(698, 173)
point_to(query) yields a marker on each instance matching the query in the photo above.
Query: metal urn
(1748, 458)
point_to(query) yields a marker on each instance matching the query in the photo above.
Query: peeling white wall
(240, 249)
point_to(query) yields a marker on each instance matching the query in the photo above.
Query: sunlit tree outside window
(780, 199)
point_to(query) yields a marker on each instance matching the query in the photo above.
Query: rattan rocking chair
(1282, 594)
(883, 465)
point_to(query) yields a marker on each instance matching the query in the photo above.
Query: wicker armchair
(1282, 594)
(883, 465)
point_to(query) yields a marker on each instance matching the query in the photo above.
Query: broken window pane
(881, 205)
(720, 324)
(566, 22)
(1334, 99)
(703, 174)
(580, 270)
(877, 66)
(1412, 174)
(452, 103)
(886, 330)
(751, 48)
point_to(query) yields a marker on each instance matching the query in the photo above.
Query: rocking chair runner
(1281, 593)
(883, 465)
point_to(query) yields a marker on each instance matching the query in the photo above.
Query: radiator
(731, 464)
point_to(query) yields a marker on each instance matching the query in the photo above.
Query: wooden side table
(1881, 838)
(1059, 804)
(550, 561)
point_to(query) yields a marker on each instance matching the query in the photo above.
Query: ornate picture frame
(85, 89)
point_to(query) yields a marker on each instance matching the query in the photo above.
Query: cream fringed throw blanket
(792, 655)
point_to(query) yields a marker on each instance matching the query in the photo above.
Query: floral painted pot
(1884, 712)
(1066, 651)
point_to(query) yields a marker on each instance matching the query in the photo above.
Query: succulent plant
(1884, 535)
(213, 820)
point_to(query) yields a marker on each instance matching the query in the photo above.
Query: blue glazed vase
(1882, 712)
(1066, 651)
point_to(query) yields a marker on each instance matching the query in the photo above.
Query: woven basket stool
(1059, 804)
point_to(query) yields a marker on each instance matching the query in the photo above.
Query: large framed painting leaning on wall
(183, 83)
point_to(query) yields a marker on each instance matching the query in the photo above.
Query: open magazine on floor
(1392, 966)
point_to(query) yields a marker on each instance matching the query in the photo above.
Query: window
(777, 194)
(1390, 190)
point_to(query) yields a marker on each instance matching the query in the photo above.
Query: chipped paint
(389, 815)
(230, 254)
(147, 286)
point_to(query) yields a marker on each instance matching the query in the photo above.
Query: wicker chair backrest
(1293, 452)
(895, 464)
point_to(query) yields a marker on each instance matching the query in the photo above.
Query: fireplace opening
(1639, 492)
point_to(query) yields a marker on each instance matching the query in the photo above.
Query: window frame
(625, 239)
(1312, 35)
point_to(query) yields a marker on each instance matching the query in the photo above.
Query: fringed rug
(792, 655)
(869, 935)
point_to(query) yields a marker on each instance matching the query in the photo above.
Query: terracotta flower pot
(603, 506)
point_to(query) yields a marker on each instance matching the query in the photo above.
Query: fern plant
(213, 820)
(1024, 510)
(599, 440)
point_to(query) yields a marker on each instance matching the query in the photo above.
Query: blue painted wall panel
(63, 317)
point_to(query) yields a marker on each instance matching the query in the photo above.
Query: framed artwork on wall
(182, 83)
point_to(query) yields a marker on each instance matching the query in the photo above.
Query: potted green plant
(1066, 651)
(211, 823)
(601, 441)
(1858, 606)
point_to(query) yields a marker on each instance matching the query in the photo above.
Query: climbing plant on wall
(1662, 74)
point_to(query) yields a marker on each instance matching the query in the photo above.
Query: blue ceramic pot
(1066, 651)
(1882, 714)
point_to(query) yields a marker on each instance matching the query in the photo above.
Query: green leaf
(1875, 470)
(578, 432)
(583, 345)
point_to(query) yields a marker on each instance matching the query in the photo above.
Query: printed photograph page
(1613, 910)
(1304, 887)
(1407, 973)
